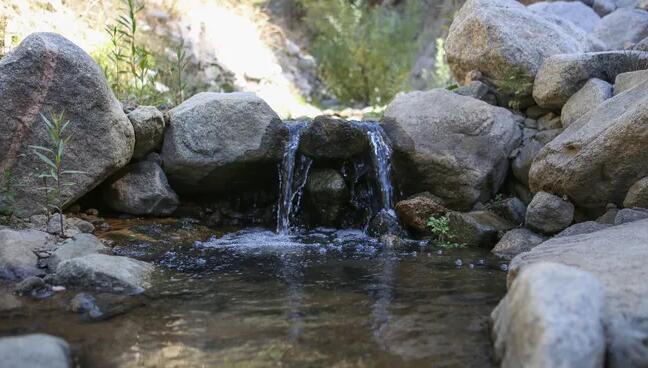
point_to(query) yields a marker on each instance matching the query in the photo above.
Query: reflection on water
(323, 298)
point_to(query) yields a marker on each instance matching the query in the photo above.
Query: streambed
(251, 298)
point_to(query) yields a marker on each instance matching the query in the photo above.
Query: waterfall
(290, 193)
(381, 157)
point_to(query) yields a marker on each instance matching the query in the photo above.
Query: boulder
(35, 351)
(17, 257)
(550, 317)
(477, 228)
(141, 189)
(616, 257)
(596, 160)
(627, 215)
(415, 211)
(550, 121)
(113, 274)
(511, 209)
(603, 7)
(517, 241)
(455, 147)
(219, 142)
(561, 76)
(328, 195)
(330, 138)
(593, 93)
(642, 45)
(637, 195)
(47, 74)
(629, 80)
(384, 223)
(521, 163)
(549, 214)
(148, 125)
(507, 43)
(582, 228)
(623, 27)
(479, 90)
(77, 246)
(574, 11)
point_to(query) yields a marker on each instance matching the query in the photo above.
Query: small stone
(458, 262)
(548, 213)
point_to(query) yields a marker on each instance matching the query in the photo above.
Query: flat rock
(77, 246)
(35, 351)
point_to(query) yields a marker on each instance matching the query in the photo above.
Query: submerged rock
(517, 241)
(550, 317)
(141, 189)
(549, 214)
(148, 125)
(102, 272)
(330, 138)
(477, 228)
(452, 146)
(219, 142)
(416, 210)
(508, 42)
(47, 74)
(35, 351)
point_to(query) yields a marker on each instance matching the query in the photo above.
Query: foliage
(442, 76)
(440, 228)
(365, 53)
(515, 84)
(177, 70)
(53, 176)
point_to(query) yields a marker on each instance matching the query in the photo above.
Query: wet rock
(602, 155)
(77, 246)
(217, 142)
(415, 211)
(48, 74)
(511, 209)
(550, 317)
(548, 213)
(637, 195)
(102, 272)
(582, 228)
(17, 257)
(35, 351)
(328, 195)
(630, 215)
(148, 125)
(85, 304)
(330, 138)
(574, 11)
(452, 146)
(629, 80)
(508, 42)
(477, 228)
(141, 189)
(517, 241)
(29, 284)
(561, 76)
(593, 93)
(617, 258)
(8, 301)
(384, 223)
(622, 27)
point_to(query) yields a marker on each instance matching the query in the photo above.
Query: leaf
(74, 172)
(45, 159)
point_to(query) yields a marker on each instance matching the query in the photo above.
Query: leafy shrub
(365, 53)
(440, 229)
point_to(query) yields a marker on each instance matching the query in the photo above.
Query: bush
(440, 228)
(365, 53)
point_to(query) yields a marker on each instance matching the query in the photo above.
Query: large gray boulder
(637, 195)
(113, 274)
(47, 74)
(549, 214)
(623, 27)
(17, 257)
(217, 142)
(148, 124)
(561, 76)
(455, 147)
(330, 138)
(517, 241)
(141, 189)
(35, 351)
(550, 317)
(593, 93)
(617, 258)
(574, 11)
(598, 158)
(507, 43)
(77, 246)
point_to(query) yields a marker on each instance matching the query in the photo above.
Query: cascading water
(381, 157)
(290, 189)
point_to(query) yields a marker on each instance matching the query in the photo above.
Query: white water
(381, 157)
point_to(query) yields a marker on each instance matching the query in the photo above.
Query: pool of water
(323, 298)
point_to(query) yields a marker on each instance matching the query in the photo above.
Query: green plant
(516, 83)
(442, 76)
(53, 177)
(364, 52)
(440, 228)
(178, 66)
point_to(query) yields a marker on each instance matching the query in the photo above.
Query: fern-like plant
(53, 175)
(440, 228)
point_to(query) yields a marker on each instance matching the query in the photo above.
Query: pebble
(458, 263)
(504, 267)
